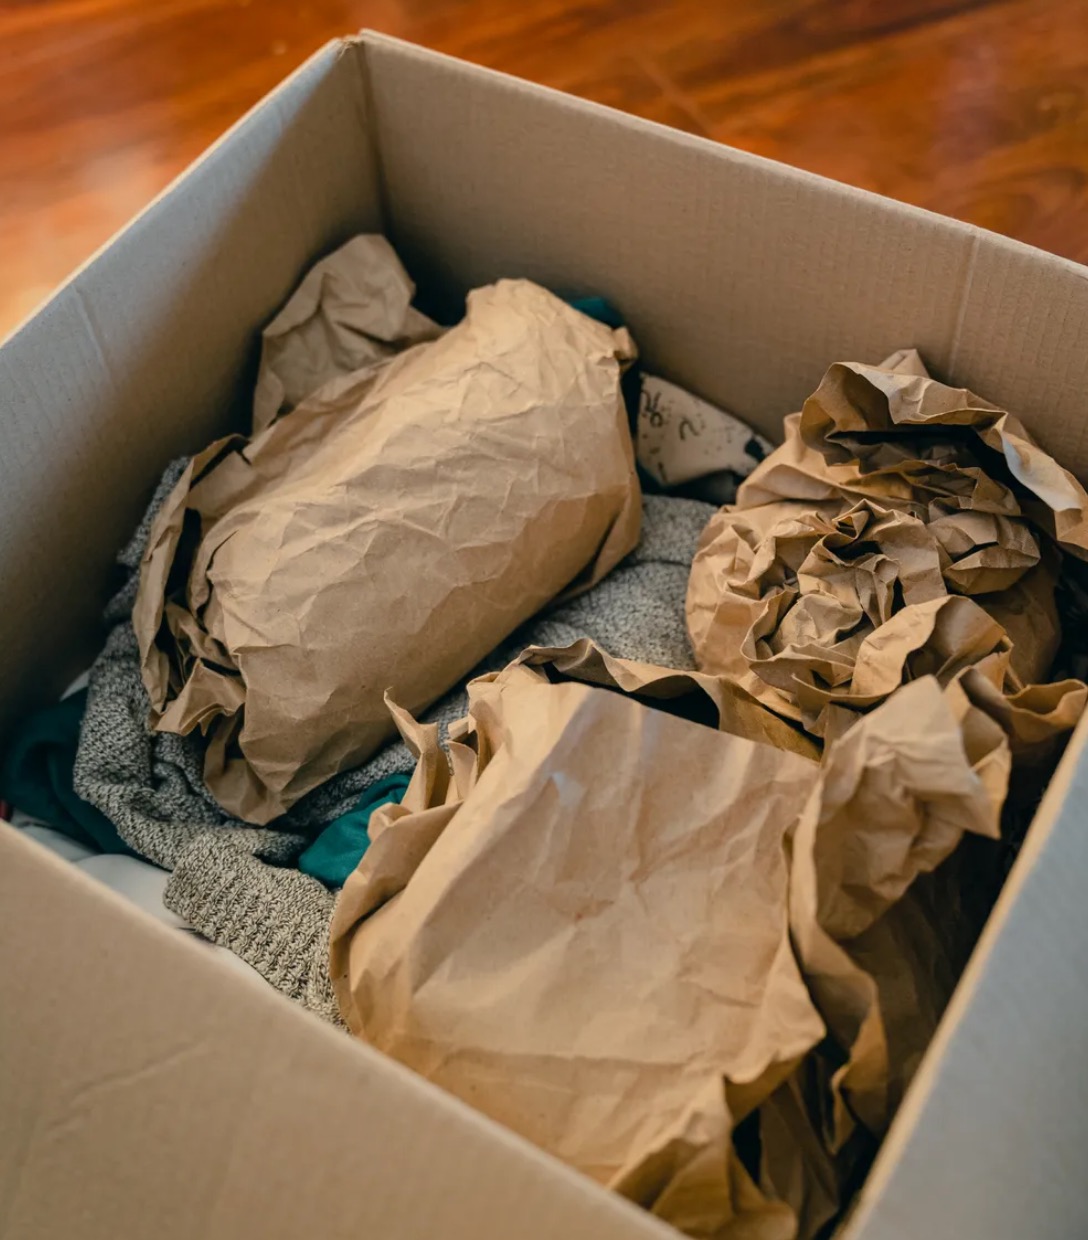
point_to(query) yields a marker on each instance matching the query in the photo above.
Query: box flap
(148, 1088)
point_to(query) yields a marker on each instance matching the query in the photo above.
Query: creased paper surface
(574, 924)
(892, 434)
(352, 309)
(580, 927)
(887, 581)
(387, 533)
(899, 531)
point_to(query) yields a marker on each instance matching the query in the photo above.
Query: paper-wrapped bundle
(385, 534)
(580, 927)
(623, 934)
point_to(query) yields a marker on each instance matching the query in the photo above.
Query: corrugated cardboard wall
(740, 278)
(148, 1090)
(149, 352)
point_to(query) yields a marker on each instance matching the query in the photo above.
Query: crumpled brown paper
(579, 926)
(883, 915)
(840, 572)
(817, 617)
(352, 309)
(895, 798)
(887, 580)
(893, 434)
(387, 533)
(575, 925)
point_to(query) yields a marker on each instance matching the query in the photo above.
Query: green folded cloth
(340, 847)
(36, 776)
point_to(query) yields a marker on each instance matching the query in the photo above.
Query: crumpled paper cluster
(693, 932)
(387, 530)
(904, 528)
(613, 921)
(690, 932)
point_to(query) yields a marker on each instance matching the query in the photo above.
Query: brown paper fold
(352, 310)
(387, 533)
(871, 419)
(887, 581)
(882, 917)
(594, 950)
(814, 616)
(840, 572)
(588, 850)
(892, 434)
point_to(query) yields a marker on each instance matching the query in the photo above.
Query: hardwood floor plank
(977, 108)
(958, 116)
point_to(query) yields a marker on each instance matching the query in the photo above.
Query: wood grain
(975, 108)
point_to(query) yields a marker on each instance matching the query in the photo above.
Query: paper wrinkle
(886, 581)
(352, 309)
(577, 924)
(893, 801)
(874, 547)
(590, 941)
(804, 611)
(387, 536)
(899, 437)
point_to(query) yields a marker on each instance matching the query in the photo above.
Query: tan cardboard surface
(150, 351)
(740, 278)
(147, 1089)
(199, 1103)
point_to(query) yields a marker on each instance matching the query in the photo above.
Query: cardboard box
(147, 1089)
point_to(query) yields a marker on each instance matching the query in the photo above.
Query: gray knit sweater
(238, 884)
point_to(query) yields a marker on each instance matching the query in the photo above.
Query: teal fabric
(599, 309)
(340, 847)
(36, 776)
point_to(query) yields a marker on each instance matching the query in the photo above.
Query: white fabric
(138, 881)
(55, 841)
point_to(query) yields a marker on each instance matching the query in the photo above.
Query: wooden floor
(978, 109)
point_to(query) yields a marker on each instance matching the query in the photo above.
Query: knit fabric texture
(239, 885)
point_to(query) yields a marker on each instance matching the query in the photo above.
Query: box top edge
(368, 38)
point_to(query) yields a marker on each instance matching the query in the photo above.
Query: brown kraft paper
(580, 927)
(574, 923)
(385, 534)
(904, 528)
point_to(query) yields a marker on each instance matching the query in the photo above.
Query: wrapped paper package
(386, 533)
(580, 926)
(591, 922)
(903, 528)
